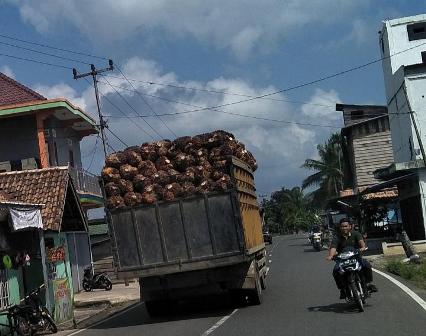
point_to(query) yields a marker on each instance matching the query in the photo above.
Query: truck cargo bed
(187, 234)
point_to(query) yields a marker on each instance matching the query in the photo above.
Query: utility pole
(94, 73)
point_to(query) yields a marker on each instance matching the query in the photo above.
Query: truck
(195, 245)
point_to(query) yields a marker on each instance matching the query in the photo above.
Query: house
(60, 250)
(36, 132)
(40, 163)
(403, 50)
(366, 147)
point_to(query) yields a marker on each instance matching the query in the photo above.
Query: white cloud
(7, 71)
(280, 148)
(322, 106)
(241, 26)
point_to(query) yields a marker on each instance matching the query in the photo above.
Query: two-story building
(403, 48)
(366, 147)
(40, 155)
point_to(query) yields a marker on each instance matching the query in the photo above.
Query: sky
(178, 56)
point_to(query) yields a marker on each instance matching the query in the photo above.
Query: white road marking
(106, 319)
(218, 323)
(407, 290)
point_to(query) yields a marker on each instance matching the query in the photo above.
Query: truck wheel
(263, 282)
(255, 295)
(154, 308)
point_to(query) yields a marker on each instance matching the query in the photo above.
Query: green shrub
(412, 272)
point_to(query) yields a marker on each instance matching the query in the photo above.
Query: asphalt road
(301, 299)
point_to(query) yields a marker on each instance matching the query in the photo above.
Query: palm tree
(329, 170)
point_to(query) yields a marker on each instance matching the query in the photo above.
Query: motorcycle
(349, 265)
(32, 316)
(94, 281)
(317, 241)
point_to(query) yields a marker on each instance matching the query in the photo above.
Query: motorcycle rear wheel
(22, 326)
(50, 324)
(357, 296)
(87, 286)
(107, 284)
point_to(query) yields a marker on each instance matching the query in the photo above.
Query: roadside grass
(410, 271)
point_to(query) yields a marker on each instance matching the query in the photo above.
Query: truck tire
(255, 295)
(155, 308)
(263, 282)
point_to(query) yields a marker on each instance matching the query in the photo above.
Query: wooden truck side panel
(249, 208)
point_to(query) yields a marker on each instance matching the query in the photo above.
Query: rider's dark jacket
(339, 242)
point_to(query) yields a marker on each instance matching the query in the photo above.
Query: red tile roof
(12, 92)
(40, 186)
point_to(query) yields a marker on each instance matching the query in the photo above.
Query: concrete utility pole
(94, 73)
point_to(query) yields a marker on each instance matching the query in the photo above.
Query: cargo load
(166, 170)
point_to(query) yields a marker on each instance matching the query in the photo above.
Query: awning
(387, 184)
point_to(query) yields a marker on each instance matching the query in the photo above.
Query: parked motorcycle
(32, 316)
(94, 281)
(349, 265)
(317, 241)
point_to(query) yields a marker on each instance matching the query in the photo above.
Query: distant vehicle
(317, 241)
(267, 237)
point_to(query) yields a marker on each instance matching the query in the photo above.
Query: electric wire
(133, 109)
(36, 61)
(225, 93)
(147, 104)
(44, 53)
(117, 137)
(94, 153)
(51, 47)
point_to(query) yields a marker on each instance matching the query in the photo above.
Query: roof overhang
(398, 169)
(61, 108)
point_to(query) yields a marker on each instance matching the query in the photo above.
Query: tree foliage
(289, 210)
(328, 171)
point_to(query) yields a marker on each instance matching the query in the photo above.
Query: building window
(416, 31)
(4, 290)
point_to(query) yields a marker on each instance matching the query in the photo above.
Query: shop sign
(55, 254)
(63, 300)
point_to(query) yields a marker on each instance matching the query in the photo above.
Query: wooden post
(40, 117)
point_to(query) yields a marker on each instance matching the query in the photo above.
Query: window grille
(4, 290)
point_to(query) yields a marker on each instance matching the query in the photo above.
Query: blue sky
(243, 47)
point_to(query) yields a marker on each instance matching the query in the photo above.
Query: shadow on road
(338, 308)
(202, 307)
(313, 250)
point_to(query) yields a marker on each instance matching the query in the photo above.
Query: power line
(321, 79)
(52, 47)
(146, 103)
(44, 53)
(244, 116)
(225, 112)
(125, 115)
(121, 111)
(117, 137)
(133, 109)
(226, 93)
(36, 61)
(94, 153)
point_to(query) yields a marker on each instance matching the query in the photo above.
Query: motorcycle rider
(347, 237)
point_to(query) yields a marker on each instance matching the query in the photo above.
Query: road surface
(301, 299)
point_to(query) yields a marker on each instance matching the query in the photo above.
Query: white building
(403, 48)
